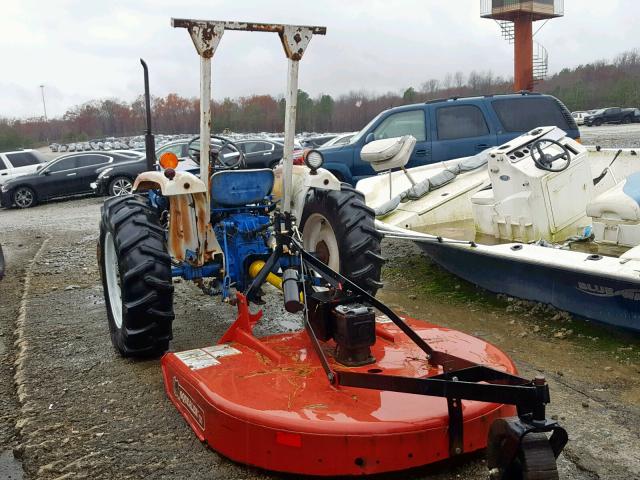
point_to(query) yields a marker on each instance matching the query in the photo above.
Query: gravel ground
(71, 408)
(627, 136)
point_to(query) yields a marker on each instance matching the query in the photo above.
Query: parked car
(296, 142)
(451, 128)
(579, 116)
(610, 115)
(316, 142)
(20, 162)
(260, 153)
(64, 176)
(341, 139)
(117, 179)
(636, 115)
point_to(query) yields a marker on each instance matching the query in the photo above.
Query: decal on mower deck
(197, 359)
(185, 399)
(205, 357)
(602, 291)
(218, 351)
(383, 319)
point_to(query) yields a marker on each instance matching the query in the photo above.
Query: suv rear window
(23, 159)
(527, 113)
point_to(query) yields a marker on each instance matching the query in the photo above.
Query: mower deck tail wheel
(136, 276)
(340, 229)
(535, 460)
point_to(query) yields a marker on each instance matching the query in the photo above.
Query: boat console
(541, 183)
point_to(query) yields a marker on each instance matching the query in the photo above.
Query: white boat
(511, 219)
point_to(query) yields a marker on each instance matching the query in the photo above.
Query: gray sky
(82, 50)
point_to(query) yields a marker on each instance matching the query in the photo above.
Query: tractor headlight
(104, 172)
(314, 160)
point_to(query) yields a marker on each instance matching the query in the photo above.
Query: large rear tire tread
(354, 226)
(145, 271)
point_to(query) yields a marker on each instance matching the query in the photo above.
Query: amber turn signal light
(168, 160)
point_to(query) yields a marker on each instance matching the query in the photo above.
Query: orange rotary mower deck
(285, 416)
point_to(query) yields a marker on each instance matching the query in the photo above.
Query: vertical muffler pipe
(149, 140)
(291, 291)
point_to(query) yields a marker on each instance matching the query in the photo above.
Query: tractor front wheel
(136, 277)
(339, 229)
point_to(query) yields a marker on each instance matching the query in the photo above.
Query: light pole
(44, 105)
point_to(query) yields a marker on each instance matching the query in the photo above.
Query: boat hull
(603, 298)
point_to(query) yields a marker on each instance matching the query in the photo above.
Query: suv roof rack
(436, 100)
(486, 95)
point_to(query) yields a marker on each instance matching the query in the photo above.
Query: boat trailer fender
(505, 438)
(182, 183)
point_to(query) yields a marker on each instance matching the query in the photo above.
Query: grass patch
(418, 275)
(428, 280)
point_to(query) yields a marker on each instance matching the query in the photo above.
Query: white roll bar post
(206, 35)
(294, 41)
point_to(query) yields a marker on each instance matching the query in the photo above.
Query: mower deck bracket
(241, 331)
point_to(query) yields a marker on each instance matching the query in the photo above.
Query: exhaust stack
(149, 140)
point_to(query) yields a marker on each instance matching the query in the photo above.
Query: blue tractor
(219, 227)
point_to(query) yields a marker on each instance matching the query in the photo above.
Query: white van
(20, 162)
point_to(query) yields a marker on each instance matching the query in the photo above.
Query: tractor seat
(388, 153)
(236, 188)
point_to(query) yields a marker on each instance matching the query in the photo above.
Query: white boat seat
(483, 197)
(620, 202)
(388, 153)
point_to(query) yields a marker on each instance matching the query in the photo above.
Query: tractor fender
(183, 183)
(301, 182)
(341, 171)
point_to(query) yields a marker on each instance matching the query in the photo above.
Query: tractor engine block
(243, 236)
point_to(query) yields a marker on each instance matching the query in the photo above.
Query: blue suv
(451, 128)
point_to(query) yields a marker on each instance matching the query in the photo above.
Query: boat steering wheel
(545, 161)
(234, 157)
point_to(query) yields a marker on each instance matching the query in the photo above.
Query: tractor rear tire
(136, 277)
(340, 229)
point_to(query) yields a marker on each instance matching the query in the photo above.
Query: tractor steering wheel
(234, 157)
(545, 161)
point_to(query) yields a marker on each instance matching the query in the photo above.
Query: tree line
(598, 84)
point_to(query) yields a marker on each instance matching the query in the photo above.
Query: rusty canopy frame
(206, 35)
